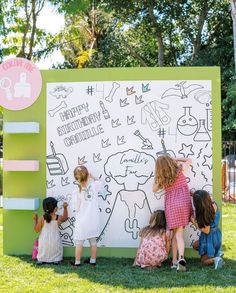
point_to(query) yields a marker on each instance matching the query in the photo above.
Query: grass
(0, 216)
(20, 274)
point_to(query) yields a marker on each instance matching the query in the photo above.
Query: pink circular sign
(20, 83)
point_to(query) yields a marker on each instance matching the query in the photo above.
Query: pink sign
(20, 83)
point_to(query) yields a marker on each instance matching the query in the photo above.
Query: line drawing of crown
(123, 103)
(115, 123)
(138, 99)
(64, 182)
(120, 140)
(130, 120)
(130, 91)
(50, 184)
(105, 143)
(96, 158)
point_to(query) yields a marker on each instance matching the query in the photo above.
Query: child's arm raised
(38, 224)
(64, 217)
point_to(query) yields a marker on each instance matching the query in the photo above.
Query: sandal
(174, 265)
(181, 267)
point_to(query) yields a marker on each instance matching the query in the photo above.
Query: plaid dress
(178, 206)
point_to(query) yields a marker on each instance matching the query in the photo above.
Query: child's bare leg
(174, 249)
(196, 245)
(94, 251)
(78, 253)
(93, 245)
(206, 260)
(179, 234)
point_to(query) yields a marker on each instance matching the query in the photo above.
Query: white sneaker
(218, 262)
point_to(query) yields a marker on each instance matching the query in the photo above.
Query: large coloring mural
(117, 130)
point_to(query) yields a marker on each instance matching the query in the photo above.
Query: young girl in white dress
(50, 250)
(85, 205)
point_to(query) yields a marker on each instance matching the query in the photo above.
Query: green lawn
(20, 274)
(0, 216)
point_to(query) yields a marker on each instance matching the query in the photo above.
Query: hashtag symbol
(161, 132)
(90, 90)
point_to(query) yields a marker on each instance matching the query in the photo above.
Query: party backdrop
(116, 122)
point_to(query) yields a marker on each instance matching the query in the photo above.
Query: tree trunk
(197, 42)
(34, 19)
(233, 13)
(158, 33)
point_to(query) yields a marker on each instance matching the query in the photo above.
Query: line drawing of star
(105, 193)
(186, 150)
(206, 161)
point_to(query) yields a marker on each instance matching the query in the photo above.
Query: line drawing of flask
(187, 124)
(202, 134)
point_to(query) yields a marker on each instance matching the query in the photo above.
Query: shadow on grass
(118, 272)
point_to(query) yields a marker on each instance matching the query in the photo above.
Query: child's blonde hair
(157, 224)
(81, 175)
(166, 171)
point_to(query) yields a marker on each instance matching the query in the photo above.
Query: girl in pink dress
(178, 208)
(155, 242)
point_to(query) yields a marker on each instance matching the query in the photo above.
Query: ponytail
(49, 205)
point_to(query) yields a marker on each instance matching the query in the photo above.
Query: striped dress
(178, 206)
(50, 246)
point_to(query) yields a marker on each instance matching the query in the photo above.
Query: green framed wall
(18, 225)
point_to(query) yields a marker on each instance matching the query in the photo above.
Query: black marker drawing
(153, 114)
(181, 90)
(202, 134)
(209, 119)
(50, 184)
(203, 97)
(64, 181)
(145, 88)
(61, 106)
(131, 226)
(100, 90)
(147, 145)
(138, 99)
(133, 169)
(96, 157)
(115, 123)
(208, 188)
(120, 140)
(105, 143)
(199, 154)
(124, 103)
(81, 161)
(188, 179)
(173, 134)
(186, 150)
(207, 161)
(164, 151)
(56, 162)
(130, 91)
(66, 231)
(159, 194)
(105, 193)
(130, 120)
(192, 170)
(90, 90)
(105, 112)
(161, 132)
(108, 210)
(204, 176)
(187, 124)
(114, 88)
(193, 227)
(61, 91)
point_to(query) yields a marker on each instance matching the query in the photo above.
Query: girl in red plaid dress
(178, 208)
(155, 242)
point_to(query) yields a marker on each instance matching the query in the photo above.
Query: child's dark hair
(204, 209)
(157, 224)
(49, 205)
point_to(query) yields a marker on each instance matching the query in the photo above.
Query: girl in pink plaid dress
(155, 242)
(178, 207)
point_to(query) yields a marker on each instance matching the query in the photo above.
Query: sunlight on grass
(20, 274)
